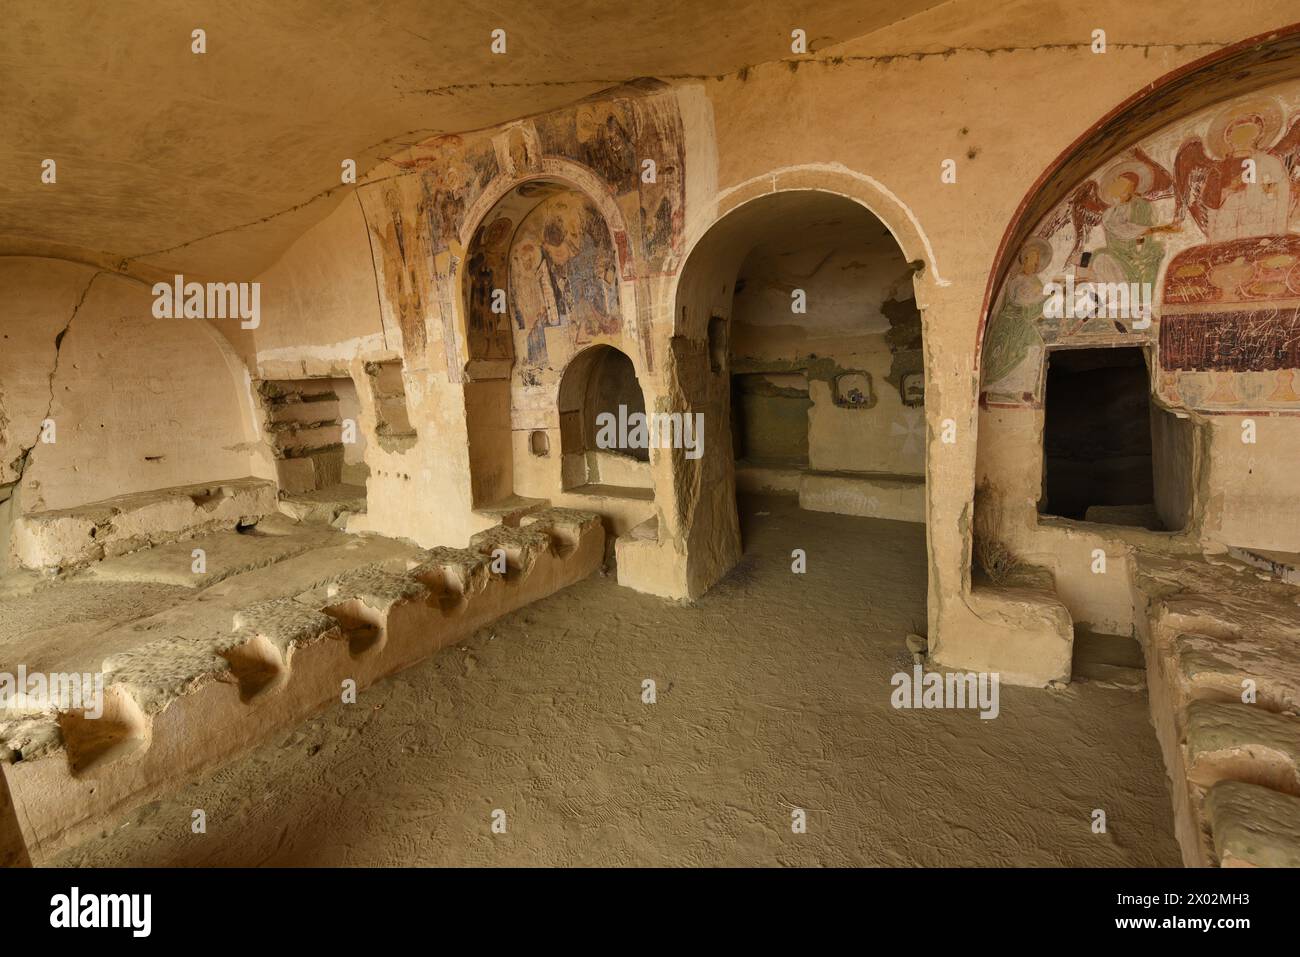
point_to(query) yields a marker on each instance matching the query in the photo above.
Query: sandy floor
(773, 693)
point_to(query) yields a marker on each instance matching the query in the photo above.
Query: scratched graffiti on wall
(1204, 214)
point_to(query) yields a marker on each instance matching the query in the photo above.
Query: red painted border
(1205, 62)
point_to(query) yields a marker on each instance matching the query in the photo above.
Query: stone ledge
(1210, 626)
(1020, 630)
(1254, 826)
(182, 705)
(61, 538)
(894, 497)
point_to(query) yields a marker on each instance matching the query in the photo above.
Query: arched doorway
(815, 371)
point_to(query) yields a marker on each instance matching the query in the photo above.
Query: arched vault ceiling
(213, 164)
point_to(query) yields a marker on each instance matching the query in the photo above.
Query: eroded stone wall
(102, 400)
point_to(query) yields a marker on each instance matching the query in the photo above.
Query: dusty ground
(773, 693)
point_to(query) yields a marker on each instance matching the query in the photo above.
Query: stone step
(224, 554)
(1244, 742)
(1254, 826)
(1220, 668)
(1115, 659)
(509, 511)
(76, 536)
(327, 506)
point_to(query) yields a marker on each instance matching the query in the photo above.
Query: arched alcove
(143, 433)
(541, 280)
(1176, 259)
(604, 436)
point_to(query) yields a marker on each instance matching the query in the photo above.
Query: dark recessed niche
(1099, 459)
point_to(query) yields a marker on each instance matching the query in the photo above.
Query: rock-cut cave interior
(865, 435)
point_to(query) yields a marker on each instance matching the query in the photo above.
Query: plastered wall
(857, 335)
(135, 404)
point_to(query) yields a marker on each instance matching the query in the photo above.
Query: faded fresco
(615, 138)
(1188, 244)
(563, 281)
(413, 219)
(402, 240)
(452, 170)
(541, 278)
(632, 148)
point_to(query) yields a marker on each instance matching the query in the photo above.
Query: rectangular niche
(393, 426)
(1100, 463)
(308, 421)
(769, 416)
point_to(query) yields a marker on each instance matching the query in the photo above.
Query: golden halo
(1265, 110)
(1044, 252)
(1143, 172)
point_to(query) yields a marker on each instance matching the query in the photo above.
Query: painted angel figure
(1243, 179)
(1122, 203)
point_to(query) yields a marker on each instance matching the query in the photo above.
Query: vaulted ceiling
(212, 164)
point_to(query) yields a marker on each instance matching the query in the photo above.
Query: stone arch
(599, 381)
(506, 189)
(1121, 208)
(530, 285)
(1237, 69)
(831, 178)
(716, 248)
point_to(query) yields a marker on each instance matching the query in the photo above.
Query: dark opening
(769, 419)
(603, 434)
(717, 343)
(613, 390)
(1097, 437)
